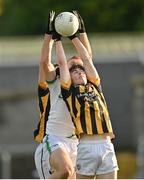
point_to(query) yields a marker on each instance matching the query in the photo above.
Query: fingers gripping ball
(66, 24)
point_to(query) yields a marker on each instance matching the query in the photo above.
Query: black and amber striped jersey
(44, 108)
(87, 107)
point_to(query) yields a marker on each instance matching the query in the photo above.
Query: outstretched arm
(46, 68)
(62, 62)
(82, 32)
(61, 58)
(86, 58)
(84, 39)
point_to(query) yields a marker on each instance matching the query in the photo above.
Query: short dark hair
(74, 66)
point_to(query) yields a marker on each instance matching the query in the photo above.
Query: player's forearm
(84, 39)
(46, 50)
(81, 50)
(46, 68)
(62, 62)
(87, 60)
(61, 58)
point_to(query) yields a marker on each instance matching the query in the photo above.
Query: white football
(66, 24)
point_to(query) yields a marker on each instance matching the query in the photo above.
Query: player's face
(78, 76)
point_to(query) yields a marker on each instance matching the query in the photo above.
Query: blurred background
(116, 32)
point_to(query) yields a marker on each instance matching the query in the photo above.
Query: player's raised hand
(81, 22)
(50, 25)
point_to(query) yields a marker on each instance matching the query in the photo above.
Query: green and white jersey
(59, 120)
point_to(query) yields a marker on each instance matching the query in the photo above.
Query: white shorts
(50, 144)
(96, 157)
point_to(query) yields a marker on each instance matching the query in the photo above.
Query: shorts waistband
(94, 138)
(72, 138)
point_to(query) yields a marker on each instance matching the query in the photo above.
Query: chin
(82, 83)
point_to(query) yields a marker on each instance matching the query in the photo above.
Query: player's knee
(67, 172)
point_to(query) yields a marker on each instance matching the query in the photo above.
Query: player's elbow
(43, 60)
(45, 65)
(62, 63)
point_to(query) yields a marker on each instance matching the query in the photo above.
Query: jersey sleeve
(65, 89)
(43, 85)
(95, 81)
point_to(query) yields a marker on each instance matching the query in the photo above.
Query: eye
(75, 72)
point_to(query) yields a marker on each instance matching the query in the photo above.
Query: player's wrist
(48, 32)
(57, 40)
(56, 36)
(82, 31)
(72, 37)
